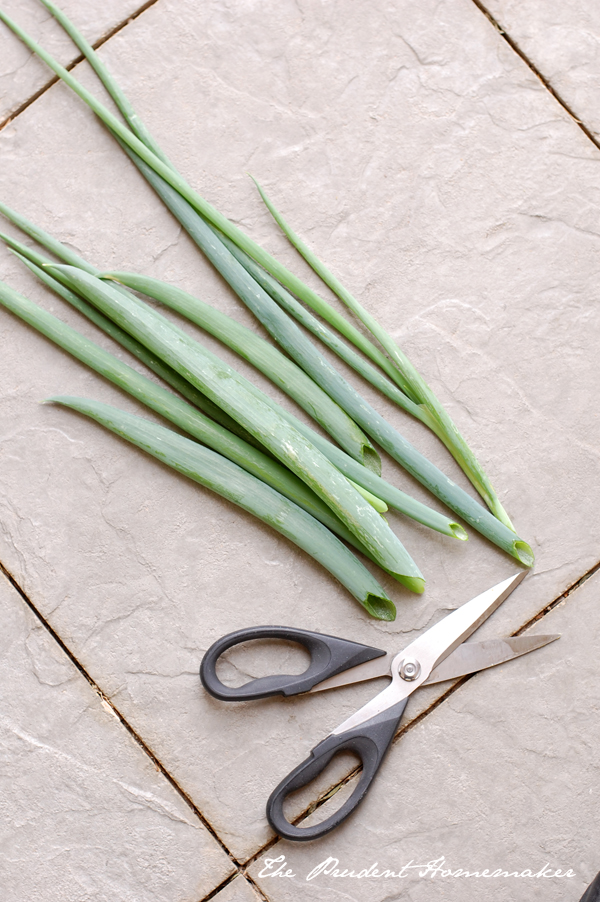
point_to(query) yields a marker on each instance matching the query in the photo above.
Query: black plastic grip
(592, 893)
(370, 741)
(328, 656)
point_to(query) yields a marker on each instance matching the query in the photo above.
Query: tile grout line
(570, 590)
(132, 732)
(243, 876)
(538, 74)
(559, 599)
(79, 59)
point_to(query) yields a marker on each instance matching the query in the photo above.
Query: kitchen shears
(437, 655)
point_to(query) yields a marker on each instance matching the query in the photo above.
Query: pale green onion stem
(246, 491)
(292, 306)
(284, 373)
(358, 474)
(258, 414)
(301, 349)
(416, 464)
(261, 465)
(173, 178)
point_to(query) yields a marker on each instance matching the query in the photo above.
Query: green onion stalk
(168, 405)
(401, 370)
(37, 263)
(436, 481)
(284, 373)
(255, 412)
(372, 486)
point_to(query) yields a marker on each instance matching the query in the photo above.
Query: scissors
(437, 655)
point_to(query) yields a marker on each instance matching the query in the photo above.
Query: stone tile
(503, 775)
(22, 75)
(429, 167)
(563, 41)
(239, 890)
(85, 814)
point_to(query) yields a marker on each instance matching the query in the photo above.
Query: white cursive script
(330, 867)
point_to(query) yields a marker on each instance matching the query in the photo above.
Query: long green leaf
(358, 474)
(304, 353)
(292, 306)
(283, 372)
(139, 129)
(257, 413)
(180, 413)
(232, 482)
(121, 101)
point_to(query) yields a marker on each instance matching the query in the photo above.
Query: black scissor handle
(328, 656)
(370, 741)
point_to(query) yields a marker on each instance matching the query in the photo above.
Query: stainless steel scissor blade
(474, 656)
(410, 668)
(469, 657)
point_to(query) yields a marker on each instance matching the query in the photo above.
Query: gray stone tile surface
(22, 75)
(503, 775)
(239, 890)
(563, 42)
(430, 168)
(85, 815)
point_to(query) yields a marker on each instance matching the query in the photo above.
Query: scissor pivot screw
(410, 669)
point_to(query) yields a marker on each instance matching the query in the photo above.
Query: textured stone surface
(427, 165)
(21, 73)
(503, 775)
(85, 815)
(563, 42)
(239, 890)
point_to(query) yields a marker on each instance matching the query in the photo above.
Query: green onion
(443, 487)
(139, 129)
(172, 177)
(292, 306)
(232, 482)
(185, 416)
(359, 475)
(283, 372)
(257, 413)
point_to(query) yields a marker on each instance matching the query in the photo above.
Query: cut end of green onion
(379, 505)
(458, 532)
(380, 606)
(523, 553)
(414, 583)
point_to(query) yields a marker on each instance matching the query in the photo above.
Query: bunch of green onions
(319, 480)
